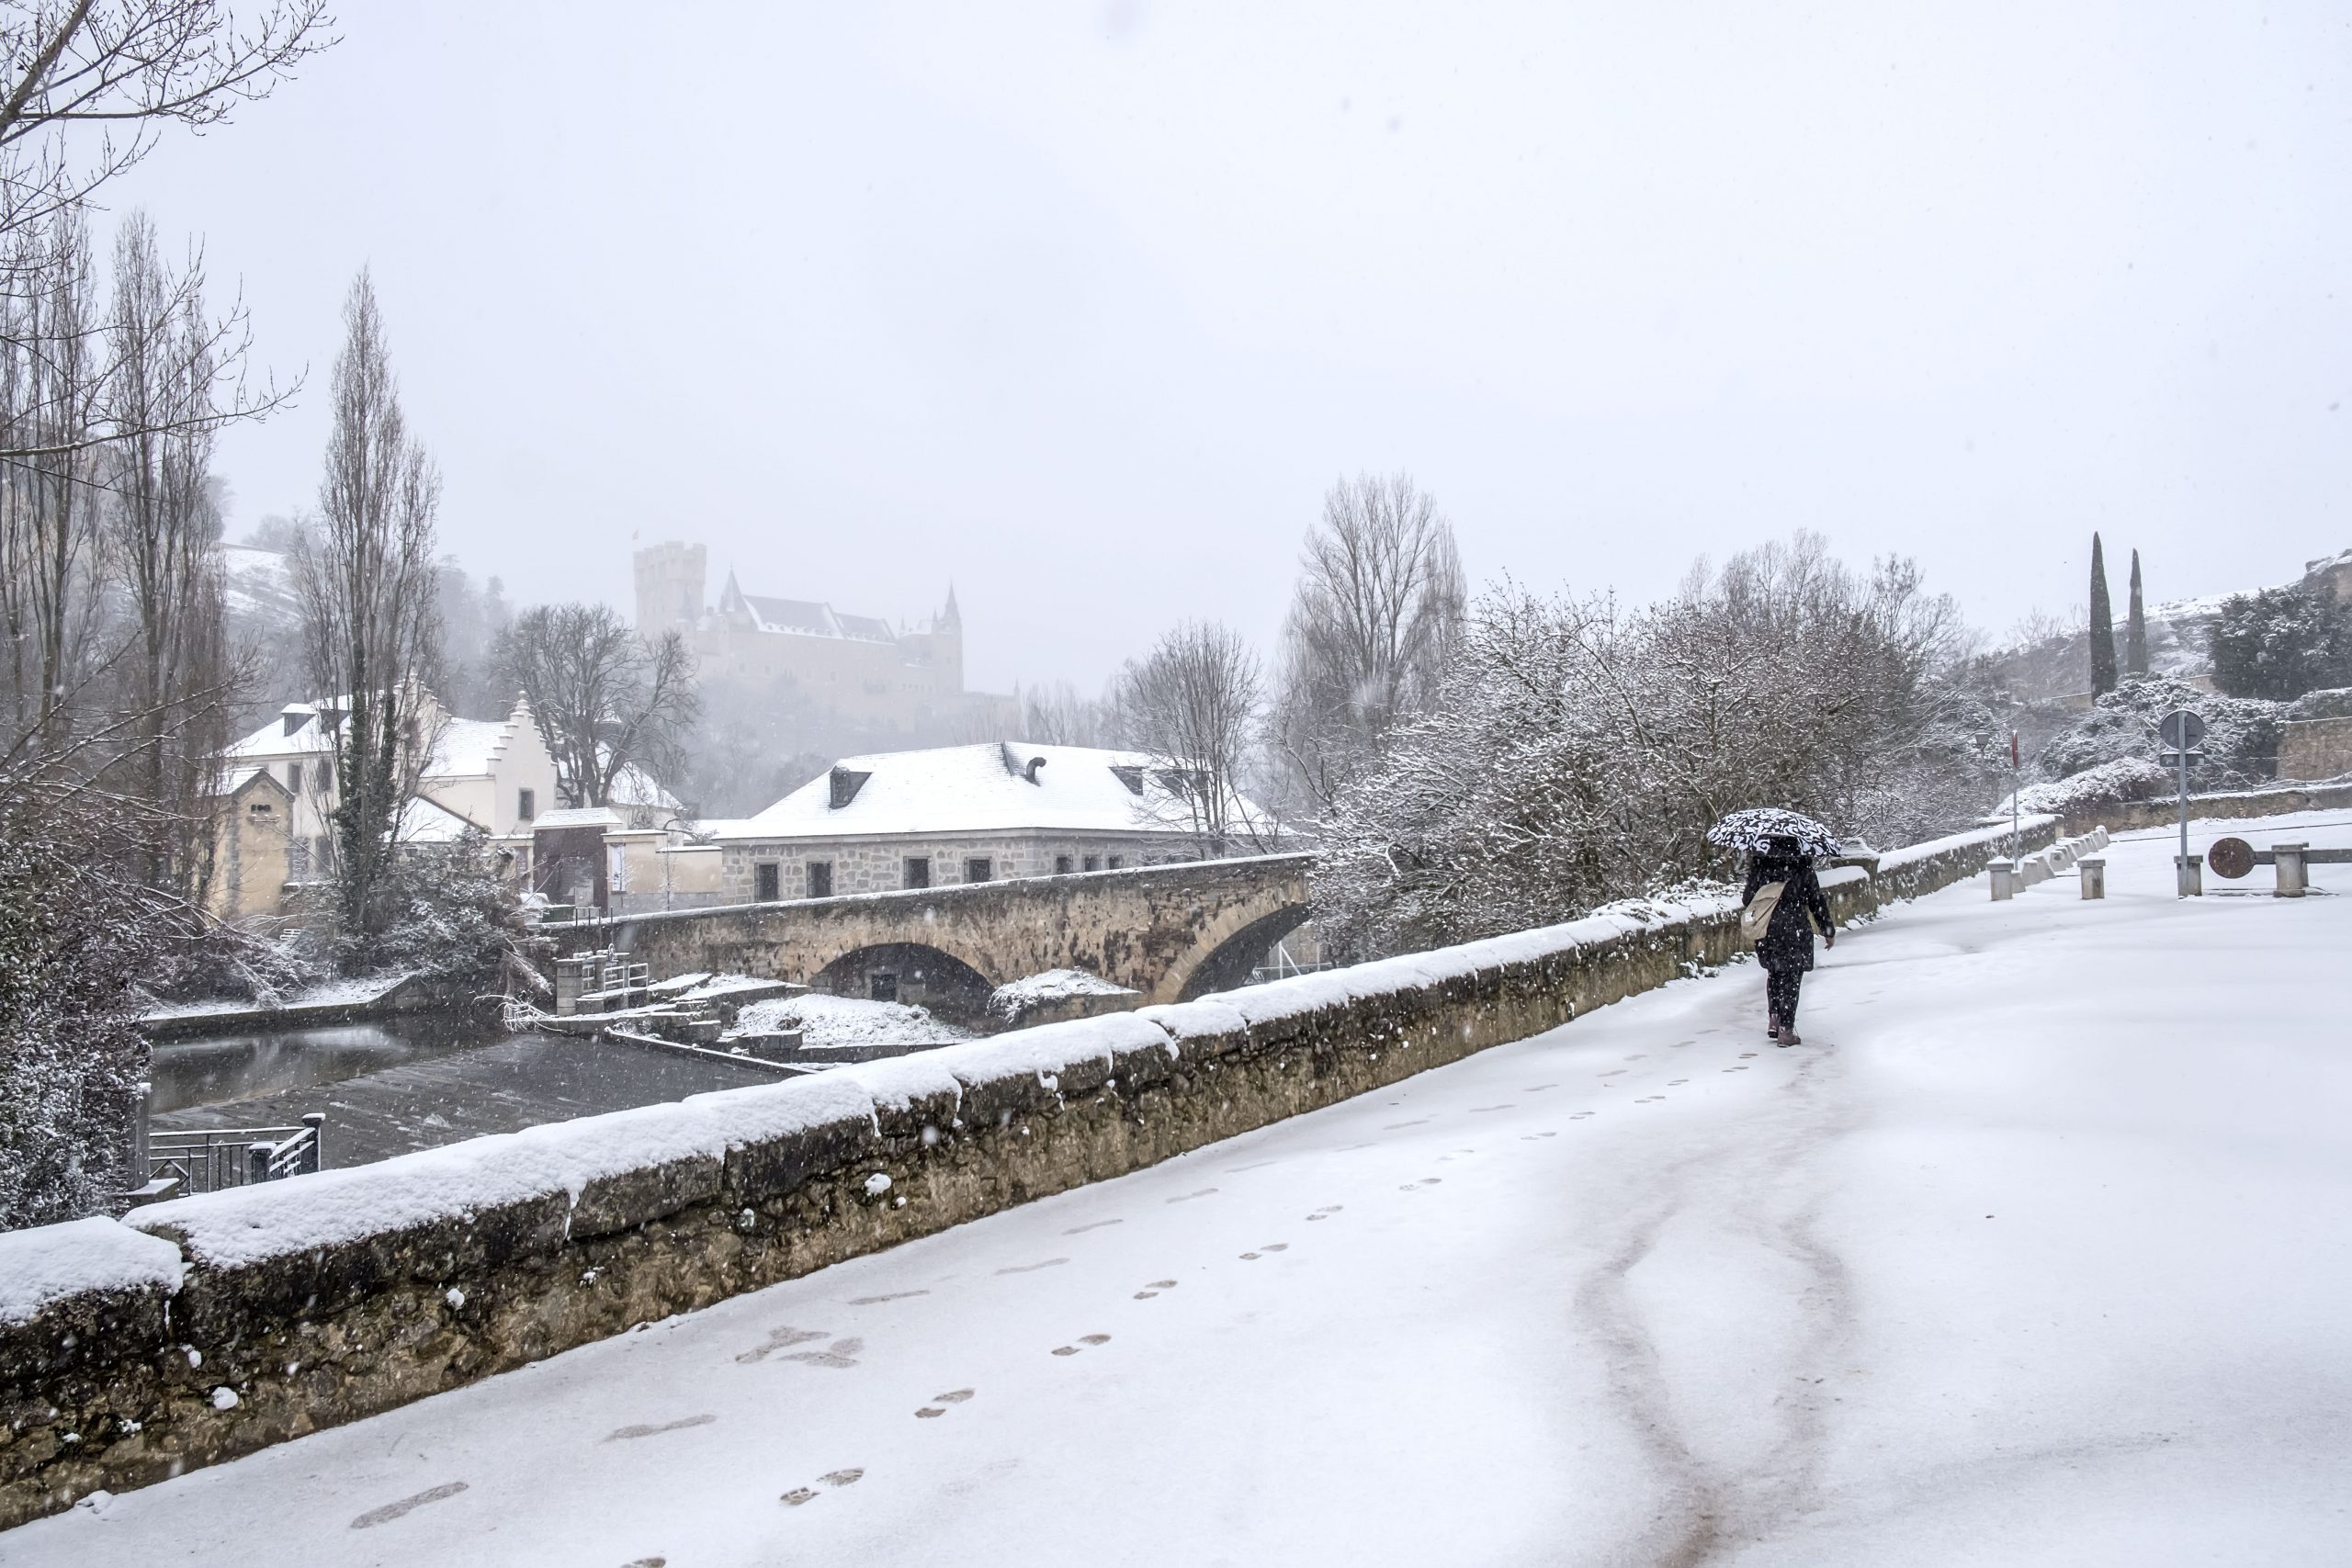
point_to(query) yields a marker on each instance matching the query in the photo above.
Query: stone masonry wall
(878, 866)
(214, 1326)
(2278, 801)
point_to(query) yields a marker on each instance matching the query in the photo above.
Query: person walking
(1785, 947)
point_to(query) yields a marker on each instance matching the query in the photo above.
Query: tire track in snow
(1710, 1510)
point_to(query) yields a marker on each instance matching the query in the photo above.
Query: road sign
(2232, 858)
(2181, 728)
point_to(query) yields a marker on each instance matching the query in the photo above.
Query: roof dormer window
(847, 782)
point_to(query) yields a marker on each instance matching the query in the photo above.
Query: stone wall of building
(2315, 749)
(878, 865)
(215, 1326)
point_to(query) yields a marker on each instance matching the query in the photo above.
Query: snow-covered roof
(802, 617)
(426, 821)
(983, 788)
(231, 780)
(634, 786)
(577, 817)
(469, 748)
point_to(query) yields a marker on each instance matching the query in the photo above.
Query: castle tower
(947, 645)
(670, 583)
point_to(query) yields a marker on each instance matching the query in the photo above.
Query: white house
(969, 813)
(492, 776)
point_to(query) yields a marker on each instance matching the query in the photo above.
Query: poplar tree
(2102, 624)
(2135, 640)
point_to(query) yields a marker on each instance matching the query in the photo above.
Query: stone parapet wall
(215, 1326)
(878, 865)
(2278, 801)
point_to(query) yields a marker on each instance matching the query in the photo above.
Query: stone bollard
(2005, 879)
(2288, 858)
(2191, 870)
(2094, 875)
(2034, 869)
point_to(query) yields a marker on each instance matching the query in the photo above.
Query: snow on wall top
(49, 1263)
(1911, 854)
(964, 789)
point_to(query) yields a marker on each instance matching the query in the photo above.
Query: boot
(1789, 1035)
(1772, 1026)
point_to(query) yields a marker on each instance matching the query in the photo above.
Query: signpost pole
(2016, 842)
(2182, 879)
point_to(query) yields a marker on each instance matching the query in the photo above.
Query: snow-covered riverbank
(2033, 1255)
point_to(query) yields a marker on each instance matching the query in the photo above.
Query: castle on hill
(855, 667)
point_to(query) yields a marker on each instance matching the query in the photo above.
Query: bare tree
(1192, 702)
(1057, 715)
(163, 394)
(1373, 622)
(90, 84)
(607, 698)
(367, 584)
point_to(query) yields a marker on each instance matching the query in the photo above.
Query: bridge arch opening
(914, 972)
(1230, 963)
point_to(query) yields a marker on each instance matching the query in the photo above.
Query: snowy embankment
(824, 1021)
(673, 1206)
(2034, 1255)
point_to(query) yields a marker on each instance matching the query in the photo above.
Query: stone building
(963, 814)
(251, 835)
(857, 667)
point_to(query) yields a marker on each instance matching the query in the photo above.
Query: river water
(243, 1067)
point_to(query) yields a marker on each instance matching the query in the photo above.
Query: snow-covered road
(2038, 1251)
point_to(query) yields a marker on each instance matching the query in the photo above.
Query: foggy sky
(1082, 305)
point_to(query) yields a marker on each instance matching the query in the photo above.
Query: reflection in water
(239, 1067)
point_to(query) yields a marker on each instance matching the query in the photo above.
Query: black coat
(1788, 941)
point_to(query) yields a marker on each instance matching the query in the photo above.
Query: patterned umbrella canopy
(1749, 829)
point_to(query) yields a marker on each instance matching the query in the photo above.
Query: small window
(526, 804)
(298, 859)
(1117, 861)
(767, 879)
(976, 869)
(261, 808)
(293, 778)
(1094, 863)
(821, 879)
(616, 867)
(1061, 865)
(916, 871)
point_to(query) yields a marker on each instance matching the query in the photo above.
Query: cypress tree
(2102, 624)
(2135, 637)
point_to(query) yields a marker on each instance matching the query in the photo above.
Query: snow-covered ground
(848, 1021)
(2036, 1253)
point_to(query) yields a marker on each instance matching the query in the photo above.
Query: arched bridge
(1169, 932)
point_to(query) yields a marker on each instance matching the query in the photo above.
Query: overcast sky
(1082, 305)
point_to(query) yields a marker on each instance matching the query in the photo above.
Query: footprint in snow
(800, 1495)
(622, 1434)
(1424, 1182)
(939, 1402)
(1190, 1196)
(1675, 1083)
(1148, 1292)
(1539, 1088)
(1325, 1213)
(840, 1353)
(1611, 1073)
(1401, 1126)
(1477, 1108)
(391, 1511)
(778, 1340)
(1031, 1267)
(877, 1301)
(1744, 1055)
(1271, 1246)
(1083, 1339)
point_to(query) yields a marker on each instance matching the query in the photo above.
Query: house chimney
(1030, 773)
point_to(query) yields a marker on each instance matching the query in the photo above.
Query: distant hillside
(2054, 668)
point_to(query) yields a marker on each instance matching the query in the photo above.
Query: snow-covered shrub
(1578, 752)
(2281, 642)
(2241, 744)
(2333, 702)
(2109, 783)
(448, 916)
(77, 930)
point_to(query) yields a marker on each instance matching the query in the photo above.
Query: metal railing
(207, 1159)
